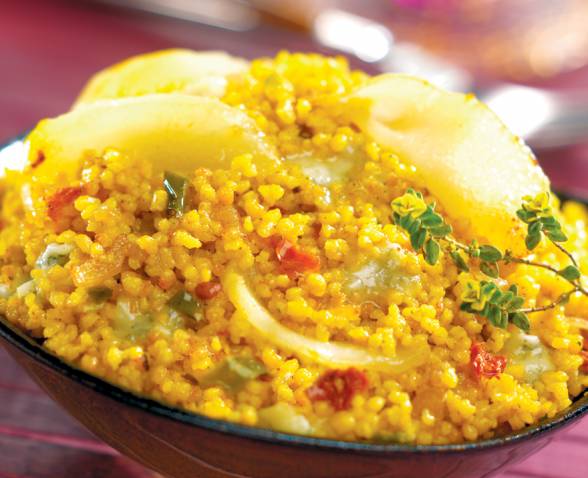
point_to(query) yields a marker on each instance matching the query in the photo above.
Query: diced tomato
(293, 260)
(338, 387)
(484, 363)
(207, 290)
(60, 199)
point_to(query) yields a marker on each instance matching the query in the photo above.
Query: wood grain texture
(47, 50)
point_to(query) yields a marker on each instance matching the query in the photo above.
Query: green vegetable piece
(233, 373)
(432, 250)
(490, 253)
(176, 187)
(570, 273)
(100, 294)
(185, 304)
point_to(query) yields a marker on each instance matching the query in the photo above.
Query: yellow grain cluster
(372, 290)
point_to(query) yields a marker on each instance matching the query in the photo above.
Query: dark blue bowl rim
(33, 350)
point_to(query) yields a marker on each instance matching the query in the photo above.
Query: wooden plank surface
(47, 49)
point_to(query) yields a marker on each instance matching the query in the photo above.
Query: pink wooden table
(47, 49)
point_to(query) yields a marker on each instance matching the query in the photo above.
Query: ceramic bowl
(179, 444)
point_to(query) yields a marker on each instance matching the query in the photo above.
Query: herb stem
(566, 252)
(562, 298)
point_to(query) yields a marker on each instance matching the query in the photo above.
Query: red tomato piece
(60, 199)
(293, 260)
(207, 290)
(338, 387)
(484, 363)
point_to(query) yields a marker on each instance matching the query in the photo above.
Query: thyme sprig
(429, 233)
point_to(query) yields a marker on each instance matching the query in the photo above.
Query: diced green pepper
(185, 303)
(100, 294)
(233, 373)
(176, 187)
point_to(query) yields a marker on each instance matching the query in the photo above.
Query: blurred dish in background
(509, 39)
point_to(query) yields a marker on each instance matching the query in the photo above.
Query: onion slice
(327, 353)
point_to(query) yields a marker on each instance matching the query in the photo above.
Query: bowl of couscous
(233, 268)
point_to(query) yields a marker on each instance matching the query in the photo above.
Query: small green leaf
(535, 228)
(494, 315)
(432, 250)
(532, 240)
(521, 321)
(417, 239)
(490, 269)
(503, 319)
(459, 261)
(415, 226)
(550, 221)
(505, 298)
(516, 303)
(514, 289)
(440, 231)
(405, 222)
(431, 219)
(570, 273)
(525, 216)
(556, 236)
(490, 253)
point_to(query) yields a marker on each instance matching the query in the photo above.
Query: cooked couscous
(306, 284)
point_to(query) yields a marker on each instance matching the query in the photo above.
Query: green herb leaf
(417, 239)
(176, 187)
(526, 216)
(521, 321)
(493, 315)
(490, 269)
(556, 235)
(440, 231)
(570, 273)
(431, 219)
(459, 261)
(532, 240)
(432, 250)
(186, 304)
(490, 253)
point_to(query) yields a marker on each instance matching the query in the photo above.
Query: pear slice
(174, 132)
(197, 73)
(477, 169)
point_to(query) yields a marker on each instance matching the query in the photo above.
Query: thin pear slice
(327, 353)
(477, 169)
(174, 132)
(168, 71)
